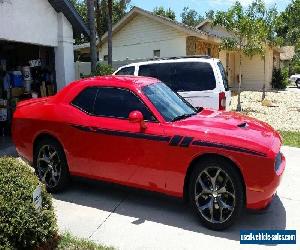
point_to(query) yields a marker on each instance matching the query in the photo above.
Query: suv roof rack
(180, 57)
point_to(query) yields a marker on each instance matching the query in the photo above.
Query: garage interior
(26, 71)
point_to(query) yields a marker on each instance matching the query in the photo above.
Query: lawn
(67, 241)
(291, 138)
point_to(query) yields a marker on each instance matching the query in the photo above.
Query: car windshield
(169, 104)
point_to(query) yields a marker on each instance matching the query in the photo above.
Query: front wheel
(216, 193)
(51, 165)
(298, 83)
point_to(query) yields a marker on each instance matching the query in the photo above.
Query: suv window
(118, 103)
(126, 71)
(224, 76)
(182, 76)
(85, 100)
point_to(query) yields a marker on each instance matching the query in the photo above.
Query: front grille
(278, 161)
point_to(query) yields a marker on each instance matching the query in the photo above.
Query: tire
(298, 83)
(51, 165)
(217, 209)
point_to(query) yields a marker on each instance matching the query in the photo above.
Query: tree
(119, 10)
(160, 11)
(81, 8)
(191, 17)
(266, 20)
(288, 29)
(109, 23)
(210, 14)
(93, 48)
(247, 39)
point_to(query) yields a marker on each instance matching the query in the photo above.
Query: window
(224, 76)
(183, 76)
(169, 104)
(118, 103)
(126, 71)
(85, 100)
(156, 53)
(105, 58)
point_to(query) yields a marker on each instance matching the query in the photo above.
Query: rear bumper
(260, 197)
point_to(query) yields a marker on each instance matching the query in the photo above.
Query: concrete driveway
(130, 219)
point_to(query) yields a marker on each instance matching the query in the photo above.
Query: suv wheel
(216, 193)
(51, 165)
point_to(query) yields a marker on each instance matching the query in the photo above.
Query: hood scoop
(243, 125)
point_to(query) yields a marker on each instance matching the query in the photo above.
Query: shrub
(22, 226)
(280, 79)
(103, 70)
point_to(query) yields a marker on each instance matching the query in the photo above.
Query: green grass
(69, 242)
(291, 138)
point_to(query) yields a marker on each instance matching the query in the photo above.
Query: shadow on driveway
(146, 206)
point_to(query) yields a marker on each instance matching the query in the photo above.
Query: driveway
(130, 219)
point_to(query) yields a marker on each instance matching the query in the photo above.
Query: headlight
(278, 161)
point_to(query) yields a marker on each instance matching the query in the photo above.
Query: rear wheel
(216, 193)
(51, 165)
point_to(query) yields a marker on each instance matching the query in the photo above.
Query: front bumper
(260, 197)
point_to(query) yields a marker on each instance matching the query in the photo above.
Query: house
(40, 31)
(256, 71)
(141, 35)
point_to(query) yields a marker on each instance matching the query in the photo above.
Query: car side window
(85, 100)
(118, 103)
(126, 71)
(182, 76)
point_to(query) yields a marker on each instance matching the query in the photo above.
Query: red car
(137, 132)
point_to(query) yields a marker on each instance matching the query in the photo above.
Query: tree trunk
(264, 86)
(239, 107)
(109, 31)
(93, 48)
(98, 21)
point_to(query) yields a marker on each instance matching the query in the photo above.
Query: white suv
(201, 80)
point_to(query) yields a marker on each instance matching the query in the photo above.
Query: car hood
(231, 128)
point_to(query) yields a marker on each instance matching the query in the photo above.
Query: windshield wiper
(181, 117)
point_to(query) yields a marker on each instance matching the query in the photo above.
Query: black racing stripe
(186, 141)
(228, 147)
(175, 140)
(123, 133)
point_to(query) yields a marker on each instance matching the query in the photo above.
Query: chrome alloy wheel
(215, 195)
(49, 166)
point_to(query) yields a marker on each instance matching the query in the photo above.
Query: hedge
(22, 226)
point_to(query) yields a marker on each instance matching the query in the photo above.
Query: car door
(118, 150)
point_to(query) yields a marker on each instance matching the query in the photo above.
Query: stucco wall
(141, 36)
(64, 53)
(30, 21)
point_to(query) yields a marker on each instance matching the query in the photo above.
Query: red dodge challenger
(136, 131)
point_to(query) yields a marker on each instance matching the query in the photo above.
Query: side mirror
(137, 117)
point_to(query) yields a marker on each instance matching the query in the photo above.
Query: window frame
(113, 117)
(127, 67)
(79, 108)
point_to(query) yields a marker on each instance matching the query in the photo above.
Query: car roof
(117, 81)
(129, 82)
(172, 60)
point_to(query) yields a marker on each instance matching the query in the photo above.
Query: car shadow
(147, 206)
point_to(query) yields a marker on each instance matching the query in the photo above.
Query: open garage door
(26, 71)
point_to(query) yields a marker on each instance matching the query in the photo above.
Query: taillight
(222, 101)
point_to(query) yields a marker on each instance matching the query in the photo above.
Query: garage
(36, 51)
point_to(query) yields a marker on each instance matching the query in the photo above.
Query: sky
(201, 6)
